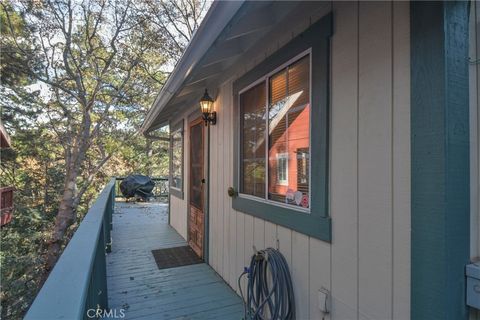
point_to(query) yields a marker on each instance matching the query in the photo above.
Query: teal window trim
(317, 222)
(177, 192)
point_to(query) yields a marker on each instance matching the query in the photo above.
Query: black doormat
(175, 257)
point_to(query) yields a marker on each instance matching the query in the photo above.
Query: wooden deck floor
(136, 285)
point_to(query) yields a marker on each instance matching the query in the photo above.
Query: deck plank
(136, 285)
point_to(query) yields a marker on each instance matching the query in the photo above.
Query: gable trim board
(440, 159)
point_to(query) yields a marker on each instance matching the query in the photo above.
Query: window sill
(273, 203)
(311, 224)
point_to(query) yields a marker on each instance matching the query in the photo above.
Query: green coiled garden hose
(269, 290)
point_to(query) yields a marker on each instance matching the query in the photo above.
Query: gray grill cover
(137, 185)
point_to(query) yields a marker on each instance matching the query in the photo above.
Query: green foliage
(21, 242)
(10, 53)
(35, 168)
(73, 95)
(141, 156)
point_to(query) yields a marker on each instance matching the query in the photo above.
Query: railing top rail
(64, 294)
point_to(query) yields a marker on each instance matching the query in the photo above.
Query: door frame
(194, 119)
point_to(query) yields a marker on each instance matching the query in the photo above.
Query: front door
(196, 215)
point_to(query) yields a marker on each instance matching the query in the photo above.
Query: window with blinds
(275, 136)
(289, 130)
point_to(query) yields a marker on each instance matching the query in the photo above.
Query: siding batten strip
(392, 158)
(440, 159)
(401, 169)
(374, 156)
(344, 164)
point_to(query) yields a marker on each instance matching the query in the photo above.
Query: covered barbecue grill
(137, 186)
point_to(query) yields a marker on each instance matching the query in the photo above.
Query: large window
(176, 159)
(272, 136)
(281, 135)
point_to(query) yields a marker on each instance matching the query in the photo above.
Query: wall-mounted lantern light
(206, 104)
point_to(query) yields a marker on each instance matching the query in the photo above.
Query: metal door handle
(203, 180)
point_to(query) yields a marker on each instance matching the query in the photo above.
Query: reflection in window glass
(278, 136)
(282, 168)
(177, 158)
(289, 134)
(252, 128)
(302, 169)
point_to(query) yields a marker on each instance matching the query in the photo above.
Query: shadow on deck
(136, 285)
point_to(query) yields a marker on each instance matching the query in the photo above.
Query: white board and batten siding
(366, 267)
(178, 221)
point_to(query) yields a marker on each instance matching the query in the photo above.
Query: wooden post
(440, 159)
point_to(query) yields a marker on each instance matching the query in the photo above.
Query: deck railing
(77, 286)
(160, 191)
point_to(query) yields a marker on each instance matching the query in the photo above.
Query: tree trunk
(68, 206)
(65, 218)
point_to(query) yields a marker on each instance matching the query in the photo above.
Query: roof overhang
(227, 39)
(215, 21)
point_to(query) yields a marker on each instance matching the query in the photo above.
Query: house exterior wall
(177, 220)
(367, 265)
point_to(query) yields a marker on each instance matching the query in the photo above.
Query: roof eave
(216, 19)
